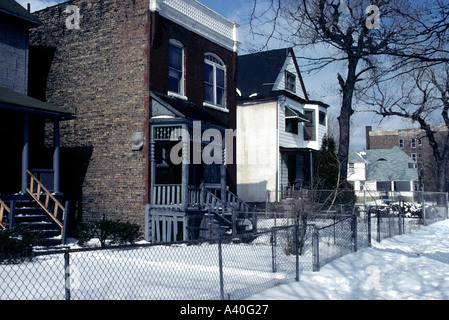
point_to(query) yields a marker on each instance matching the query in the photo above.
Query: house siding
(13, 55)
(258, 150)
(103, 73)
(280, 81)
(100, 73)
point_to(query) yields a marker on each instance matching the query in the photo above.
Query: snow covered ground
(410, 266)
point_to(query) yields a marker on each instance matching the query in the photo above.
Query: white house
(382, 173)
(279, 130)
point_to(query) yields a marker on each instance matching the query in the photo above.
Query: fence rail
(222, 268)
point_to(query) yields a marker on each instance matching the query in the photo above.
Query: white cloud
(38, 4)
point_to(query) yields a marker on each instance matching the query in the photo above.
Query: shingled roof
(14, 9)
(12, 100)
(386, 164)
(257, 72)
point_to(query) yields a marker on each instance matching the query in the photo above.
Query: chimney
(368, 129)
(29, 7)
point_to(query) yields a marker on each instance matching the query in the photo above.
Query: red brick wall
(98, 72)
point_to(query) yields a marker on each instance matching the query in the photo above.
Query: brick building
(415, 144)
(134, 72)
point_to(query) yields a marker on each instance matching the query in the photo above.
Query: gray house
(383, 173)
(29, 170)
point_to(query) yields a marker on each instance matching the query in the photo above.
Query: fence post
(67, 274)
(297, 249)
(234, 222)
(369, 226)
(423, 206)
(273, 250)
(354, 229)
(316, 249)
(447, 209)
(65, 223)
(12, 214)
(400, 220)
(378, 224)
(220, 267)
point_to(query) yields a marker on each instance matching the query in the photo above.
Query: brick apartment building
(414, 143)
(132, 72)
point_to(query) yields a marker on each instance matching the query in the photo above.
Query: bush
(17, 243)
(108, 232)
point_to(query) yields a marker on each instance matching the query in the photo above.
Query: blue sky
(239, 11)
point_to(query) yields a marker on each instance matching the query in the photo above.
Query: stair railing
(3, 208)
(47, 201)
(237, 203)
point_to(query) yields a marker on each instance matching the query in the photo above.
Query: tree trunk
(344, 119)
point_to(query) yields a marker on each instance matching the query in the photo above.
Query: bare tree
(423, 98)
(357, 34)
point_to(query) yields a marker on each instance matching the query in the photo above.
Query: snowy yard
(409, 266)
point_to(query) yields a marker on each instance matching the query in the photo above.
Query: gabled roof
(14, 9)
(15, 101)
(258, 72)
(386, 164)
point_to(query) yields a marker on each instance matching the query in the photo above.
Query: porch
(29, 166)
(190, 196)
(207, 212)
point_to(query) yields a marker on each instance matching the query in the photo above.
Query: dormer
(265, 73)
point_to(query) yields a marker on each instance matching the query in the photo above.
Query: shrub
(17, 243)
(108, 232)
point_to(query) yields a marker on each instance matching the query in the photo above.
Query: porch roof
(15, 101)
(14, 9)
(186, 109)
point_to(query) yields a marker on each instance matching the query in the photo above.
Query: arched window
(176, 67)
(214, 80)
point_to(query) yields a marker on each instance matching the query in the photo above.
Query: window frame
(289, 86)
(212, 60)
(181, 84)
(310, 124)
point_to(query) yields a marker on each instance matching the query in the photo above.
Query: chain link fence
(283, 246)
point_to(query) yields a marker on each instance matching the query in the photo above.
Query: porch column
(185, 172)
(223, 172)
(56, 150)
(25, 152)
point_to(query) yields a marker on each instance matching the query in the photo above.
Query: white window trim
(219, 64)
(178, 44)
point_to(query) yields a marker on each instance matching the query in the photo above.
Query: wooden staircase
(224, 216)
(38, 212)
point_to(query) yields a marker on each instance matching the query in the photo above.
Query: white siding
(280, 81)
(257, 150)
(291, 140)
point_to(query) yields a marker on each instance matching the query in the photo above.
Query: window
(420, 142)
(176, 67)
(351, 169)
(413, 143)
(291, 125)
(290, 81)
(401, 143)
(322, 118)
(214, 80)
(414, 156)
(309, 128)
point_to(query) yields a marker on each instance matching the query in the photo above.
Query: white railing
(167, 195)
